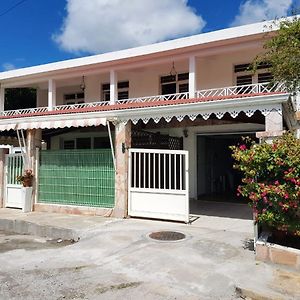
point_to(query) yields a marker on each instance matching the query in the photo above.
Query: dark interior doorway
(216, 178)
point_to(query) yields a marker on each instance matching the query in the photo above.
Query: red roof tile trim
(125, 106)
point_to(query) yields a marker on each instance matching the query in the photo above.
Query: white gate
(158, 184)
(13, 167)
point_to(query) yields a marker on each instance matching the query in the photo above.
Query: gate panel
(13, 167)
(77, 177)
(158, 184)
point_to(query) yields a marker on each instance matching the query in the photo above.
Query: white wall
(218, 71)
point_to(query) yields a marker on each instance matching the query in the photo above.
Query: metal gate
(77, 177)
(13, 167)
(158, 184)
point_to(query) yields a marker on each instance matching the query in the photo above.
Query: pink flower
(243, 147)
(276, 182)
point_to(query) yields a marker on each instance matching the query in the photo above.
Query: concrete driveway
(115, 259)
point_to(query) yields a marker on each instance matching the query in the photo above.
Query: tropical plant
(282, 52)
(271, 181)
(26, 179)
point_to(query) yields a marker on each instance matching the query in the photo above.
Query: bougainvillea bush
(271, 181)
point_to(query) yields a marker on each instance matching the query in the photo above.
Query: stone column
(33, 141)
(122, 135)
(2, 175)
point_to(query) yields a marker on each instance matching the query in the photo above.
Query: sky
(37, 32)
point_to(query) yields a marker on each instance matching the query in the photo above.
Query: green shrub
(271, 180)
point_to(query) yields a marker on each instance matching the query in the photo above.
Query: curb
(25, 227)
(248, 294)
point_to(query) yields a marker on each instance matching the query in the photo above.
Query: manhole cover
(167, 236)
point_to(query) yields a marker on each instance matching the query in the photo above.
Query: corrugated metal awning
(26, 124)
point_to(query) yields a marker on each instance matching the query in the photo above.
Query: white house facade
(145, 130)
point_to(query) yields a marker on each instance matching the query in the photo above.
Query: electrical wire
(12, 7)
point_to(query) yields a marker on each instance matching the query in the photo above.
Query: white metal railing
(158, 169)
(11, 113)
(156, 98)
(81, 105)
(258, 88)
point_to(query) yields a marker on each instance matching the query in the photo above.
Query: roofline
(200, 39)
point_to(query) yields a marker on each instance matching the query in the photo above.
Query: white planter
(26, 195)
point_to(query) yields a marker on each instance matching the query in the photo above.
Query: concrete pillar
(192, 76)
(274, 121)
(2, 175)
(33, 142)
(273, 127)
(113, 86)
(2, 98)
(122, 135)
(38, 97)
(51, 94)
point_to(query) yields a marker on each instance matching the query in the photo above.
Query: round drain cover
(167, 236)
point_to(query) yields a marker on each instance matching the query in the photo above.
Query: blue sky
(33, 32)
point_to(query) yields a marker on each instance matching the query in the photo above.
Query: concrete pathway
(115, 259)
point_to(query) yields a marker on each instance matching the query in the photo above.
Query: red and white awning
(26, 124)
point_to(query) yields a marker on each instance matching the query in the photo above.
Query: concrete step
(50, 225)
(49, 231)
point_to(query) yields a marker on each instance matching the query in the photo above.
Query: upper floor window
(244, 76)
(172, 84)
(74, 98)
(86, 143)
(123, 91)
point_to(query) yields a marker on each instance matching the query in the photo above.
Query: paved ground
(115, 259)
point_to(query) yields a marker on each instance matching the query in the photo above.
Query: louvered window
(265, 77)
(123, 91)
(172, 84)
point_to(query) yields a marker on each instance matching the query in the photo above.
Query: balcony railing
(211, 94)
(168, 97)
(257, 88)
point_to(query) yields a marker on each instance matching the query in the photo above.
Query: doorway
(216, 178)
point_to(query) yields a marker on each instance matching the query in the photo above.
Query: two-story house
(143, 131)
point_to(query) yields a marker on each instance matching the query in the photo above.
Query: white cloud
(252, 11)
(98, 26)
(8, 66)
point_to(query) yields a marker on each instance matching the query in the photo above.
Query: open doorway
(217, 180)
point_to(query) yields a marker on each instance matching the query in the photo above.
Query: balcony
(207, 95)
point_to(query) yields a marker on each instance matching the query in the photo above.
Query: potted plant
(27, 180)
(271, 183)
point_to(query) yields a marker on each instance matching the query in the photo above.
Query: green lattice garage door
(77, 177)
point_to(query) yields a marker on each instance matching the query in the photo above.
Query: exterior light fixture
(185, 133)
(173, 71)
(82, 84)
